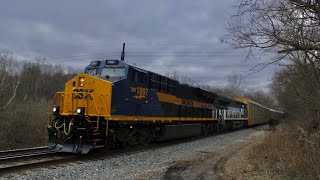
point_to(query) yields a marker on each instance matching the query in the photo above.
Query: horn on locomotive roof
(123, 53)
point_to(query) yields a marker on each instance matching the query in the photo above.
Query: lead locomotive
(114, 103)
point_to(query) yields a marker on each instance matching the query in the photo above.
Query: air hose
(55, 125)
(64, 127)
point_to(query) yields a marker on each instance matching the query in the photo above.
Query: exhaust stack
(123, 53)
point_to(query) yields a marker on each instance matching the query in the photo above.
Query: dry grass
(289, 150)
(24, 126)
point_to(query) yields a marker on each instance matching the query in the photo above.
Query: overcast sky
(162, 36)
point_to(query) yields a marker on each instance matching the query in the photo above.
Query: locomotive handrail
(104, 104)
(95, 103)
(51, 104)
(98, 120)
(97, 112)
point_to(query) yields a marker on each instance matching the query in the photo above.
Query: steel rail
(23, 150)
(27, 152)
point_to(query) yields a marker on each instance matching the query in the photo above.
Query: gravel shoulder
(204, 158)
(229, 162)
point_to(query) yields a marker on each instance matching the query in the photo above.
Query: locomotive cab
(110, 70)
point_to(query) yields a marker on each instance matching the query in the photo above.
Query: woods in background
(26, 89)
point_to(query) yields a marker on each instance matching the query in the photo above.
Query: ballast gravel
(135, 165)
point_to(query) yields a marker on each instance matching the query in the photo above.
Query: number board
(112, 62)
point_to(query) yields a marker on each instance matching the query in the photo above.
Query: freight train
(114, 103)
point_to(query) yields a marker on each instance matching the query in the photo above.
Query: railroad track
(22, 153)
(14, 160)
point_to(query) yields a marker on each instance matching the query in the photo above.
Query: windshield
(113, 72)
(91, 72)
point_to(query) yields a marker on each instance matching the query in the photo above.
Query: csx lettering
(83, 90)
(83, 96)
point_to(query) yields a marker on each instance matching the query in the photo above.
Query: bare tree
(235, 87)
(10, 79)
(272, 25)
(288, 29)
(15, 86)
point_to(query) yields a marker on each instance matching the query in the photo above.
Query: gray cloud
(163, 36)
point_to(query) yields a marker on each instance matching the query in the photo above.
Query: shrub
(289, 150)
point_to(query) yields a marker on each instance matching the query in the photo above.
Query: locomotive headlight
(55, 110)
(80, 110)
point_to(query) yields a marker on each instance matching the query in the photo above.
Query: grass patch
(291, 151)
(24, 125)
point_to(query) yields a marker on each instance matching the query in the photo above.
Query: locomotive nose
(87, 95)
(77, 114)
